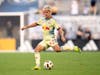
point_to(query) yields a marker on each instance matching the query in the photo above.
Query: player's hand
(23, 28)
(63, 39)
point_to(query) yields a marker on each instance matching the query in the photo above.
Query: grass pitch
(65, 63)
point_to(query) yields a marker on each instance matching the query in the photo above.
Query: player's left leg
(57, 48)
(74, 48)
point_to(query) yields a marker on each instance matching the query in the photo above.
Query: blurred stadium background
(79, 19)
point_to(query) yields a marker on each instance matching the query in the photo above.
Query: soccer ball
(48, 65)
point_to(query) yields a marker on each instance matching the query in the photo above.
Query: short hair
(47, 7)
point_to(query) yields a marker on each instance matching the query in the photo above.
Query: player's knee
(57, 49)
(37, 50)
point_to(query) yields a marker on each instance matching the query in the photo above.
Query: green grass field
(65, 63)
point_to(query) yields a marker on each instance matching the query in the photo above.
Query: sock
(37, 58)
(66, 48)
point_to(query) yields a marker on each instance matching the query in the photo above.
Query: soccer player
(48, 24)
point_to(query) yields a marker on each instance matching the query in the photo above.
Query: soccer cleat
(77, 49)
(36, 68)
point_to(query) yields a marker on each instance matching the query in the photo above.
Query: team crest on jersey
(44, 27)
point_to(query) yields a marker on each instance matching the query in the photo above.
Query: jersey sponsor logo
(44, 27)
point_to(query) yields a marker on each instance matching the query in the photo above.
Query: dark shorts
(93, 3)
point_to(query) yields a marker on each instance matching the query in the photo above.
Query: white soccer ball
(48, 65)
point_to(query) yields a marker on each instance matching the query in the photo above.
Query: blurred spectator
(71, 33)
(9, 28)
(54, 10)
(85, 7)
(87, 34)
(93, 8)
(79, 33)
(41, 3)
(74, 7)
(1, 1)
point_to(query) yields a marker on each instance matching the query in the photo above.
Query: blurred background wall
(79, 19)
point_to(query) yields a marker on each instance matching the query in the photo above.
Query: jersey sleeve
(39, 22)
(56, 25)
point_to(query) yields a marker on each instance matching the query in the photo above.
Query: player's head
(47, 11)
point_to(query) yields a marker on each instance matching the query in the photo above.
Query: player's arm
(29, 26)
(61, 32)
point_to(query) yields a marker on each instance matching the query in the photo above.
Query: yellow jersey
(48, 27)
